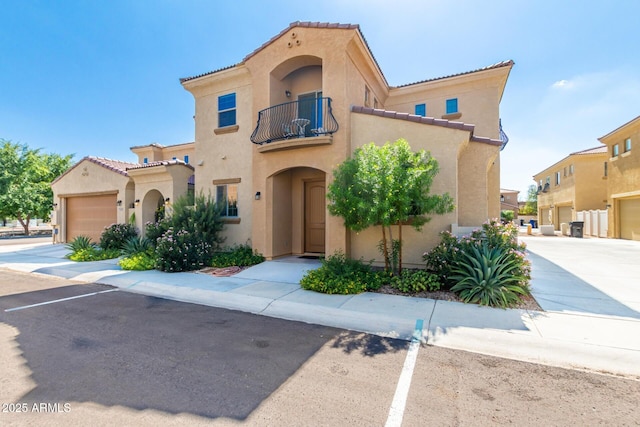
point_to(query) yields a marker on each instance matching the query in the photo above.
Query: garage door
(89, 215)
(564, 214)
(630, 219)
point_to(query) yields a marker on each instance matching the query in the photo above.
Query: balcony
(295, 120)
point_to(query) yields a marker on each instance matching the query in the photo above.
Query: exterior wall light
(167, 200)
(257, 195)
(287, 93)
(137, 202)
(119, 202)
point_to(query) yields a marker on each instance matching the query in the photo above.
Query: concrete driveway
(585, 276)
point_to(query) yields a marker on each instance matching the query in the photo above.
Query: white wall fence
(595, 222)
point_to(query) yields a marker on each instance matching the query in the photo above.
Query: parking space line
(59, 300)
(404, 382)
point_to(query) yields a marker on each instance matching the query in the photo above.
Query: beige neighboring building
(97, 192)
(623, 180)
(509, 201)
(270, 130)
(575, 183)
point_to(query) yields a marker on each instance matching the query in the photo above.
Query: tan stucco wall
(86, 179)
(219, 154)
(478, 96)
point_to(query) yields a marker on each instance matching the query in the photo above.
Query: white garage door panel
(630, 219)
(89, 215)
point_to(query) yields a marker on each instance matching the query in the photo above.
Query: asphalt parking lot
(100, 356)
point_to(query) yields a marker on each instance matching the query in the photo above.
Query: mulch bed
(527, 301)
(222, 271)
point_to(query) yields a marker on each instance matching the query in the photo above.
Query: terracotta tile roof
(295, 24)
(500, 64)
(155, 144)
(425, 120)
(159, 163)
(595, 150)
(117, 166)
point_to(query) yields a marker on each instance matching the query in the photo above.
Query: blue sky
(97, 77)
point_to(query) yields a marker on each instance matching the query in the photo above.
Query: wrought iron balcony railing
(296, 119)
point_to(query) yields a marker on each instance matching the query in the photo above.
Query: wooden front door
(314, 216)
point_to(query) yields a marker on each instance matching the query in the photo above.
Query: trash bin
(576, 228)
(534, 223)
(522, 223)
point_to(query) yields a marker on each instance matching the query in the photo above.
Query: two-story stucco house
(270, 130)
(623, 180)
(573, 184)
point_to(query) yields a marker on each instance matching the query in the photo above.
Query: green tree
(384, 186)
(25, 181)
(531, 205)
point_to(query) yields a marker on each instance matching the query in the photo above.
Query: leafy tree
(25, 181)
(531, 206)
(384, 186)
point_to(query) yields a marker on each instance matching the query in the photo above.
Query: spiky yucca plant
(489, 276)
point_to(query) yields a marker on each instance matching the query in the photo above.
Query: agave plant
(488, 276)
(80, 243)
(135, 245)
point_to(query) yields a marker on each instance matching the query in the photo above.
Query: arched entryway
(152, 206)
(297, 214)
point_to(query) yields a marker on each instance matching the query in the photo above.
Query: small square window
(227, 110)
(452, 105)
(615, 151)
(145, 160)
(227, 195)
(421, 110)
(627, 145)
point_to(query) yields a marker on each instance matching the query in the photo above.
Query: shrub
(135, 245)
(182, 250)
(412, 281)
(80, 243)
(116, 235)
(448, 255)
(93, 253)
(488, 276)
(199, 216)
(139, 261)
(341, 275)
(240, 255)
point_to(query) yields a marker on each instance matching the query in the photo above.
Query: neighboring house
(623, 180)
(573, 184)
(270, 130)
(509, 201)
(97, 192)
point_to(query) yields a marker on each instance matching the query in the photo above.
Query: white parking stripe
(404, 382)
(59, 300)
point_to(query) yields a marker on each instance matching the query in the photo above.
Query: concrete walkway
(589, 290)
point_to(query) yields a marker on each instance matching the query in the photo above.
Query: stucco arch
(151, 202)
(285, 213)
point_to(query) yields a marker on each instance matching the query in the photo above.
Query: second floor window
(186, 159)
(421, 110)
(627, 145)
(557, 178)
(227, 110)
(615, 151)
(452, 105)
